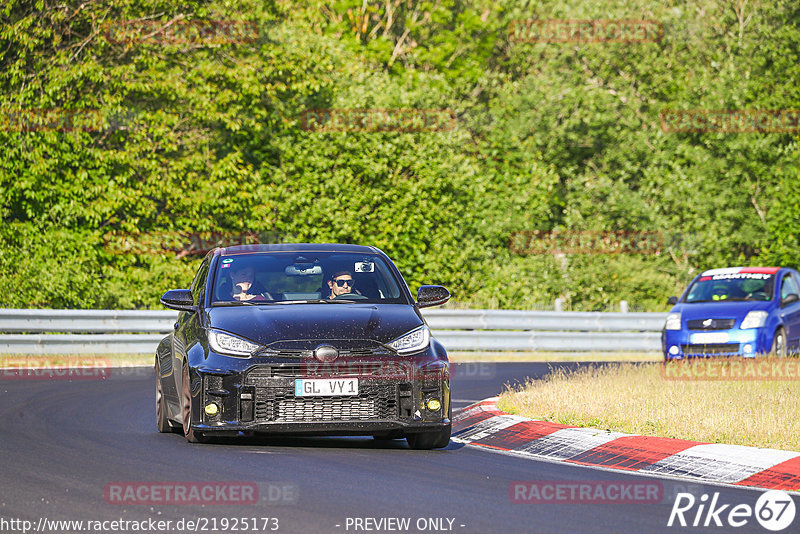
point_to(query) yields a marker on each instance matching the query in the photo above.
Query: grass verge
(638, 399)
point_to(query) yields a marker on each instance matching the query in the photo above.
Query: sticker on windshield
(740, 276)
(364, 267)
(227, 260)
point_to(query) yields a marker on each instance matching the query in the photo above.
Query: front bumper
(679, 344)
(261, 398)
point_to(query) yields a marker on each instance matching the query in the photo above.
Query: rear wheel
(430, 440)
(778, 349)
(192, 436)
(162, 421)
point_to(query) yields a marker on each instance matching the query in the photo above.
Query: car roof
(295, 247)
(735, 270)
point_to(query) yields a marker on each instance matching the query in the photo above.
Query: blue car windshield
(732, 287)
(296, 277)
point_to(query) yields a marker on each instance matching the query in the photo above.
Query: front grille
(278, 350)
(711, 348)
(711, 324)
(279, 404)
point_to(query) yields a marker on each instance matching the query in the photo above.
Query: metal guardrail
(89, 321)
(129, 332)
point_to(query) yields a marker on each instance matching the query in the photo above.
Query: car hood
(718, 310)
(267, 324)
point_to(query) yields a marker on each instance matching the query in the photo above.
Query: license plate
(318, 387)
(710, 337)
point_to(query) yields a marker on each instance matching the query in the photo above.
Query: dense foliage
(207, 136)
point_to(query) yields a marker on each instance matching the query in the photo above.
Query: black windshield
(303, 277)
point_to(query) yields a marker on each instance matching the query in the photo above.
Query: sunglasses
(341, 283)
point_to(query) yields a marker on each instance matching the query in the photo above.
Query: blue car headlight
(414, 341)
(673, 322)
(754, 319)
(224, 343)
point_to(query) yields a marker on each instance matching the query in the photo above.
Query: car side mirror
(178, 299)
(432, 296)
(788, 299)
(672, 301)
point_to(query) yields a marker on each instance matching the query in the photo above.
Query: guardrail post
(623, 306)
(559, 305)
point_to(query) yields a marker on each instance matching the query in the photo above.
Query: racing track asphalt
(63, 441)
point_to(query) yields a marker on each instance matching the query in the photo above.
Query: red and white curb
(484, 425)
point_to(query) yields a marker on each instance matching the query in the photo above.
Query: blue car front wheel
(778, 344)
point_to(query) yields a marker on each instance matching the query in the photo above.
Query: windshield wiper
(224, 303)
(719, 301)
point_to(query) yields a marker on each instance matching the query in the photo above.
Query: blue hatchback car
(738, 311)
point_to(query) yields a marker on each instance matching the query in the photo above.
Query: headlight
(228, 344)
(754, 319)
(673, 321)
(414, 341)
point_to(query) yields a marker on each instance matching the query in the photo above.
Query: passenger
(245, 286)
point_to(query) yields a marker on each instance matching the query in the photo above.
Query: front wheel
(192, 436)
(778, 349)
(162, 421)
(430, 440)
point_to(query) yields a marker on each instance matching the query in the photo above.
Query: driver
(341, 283)
(720, 293)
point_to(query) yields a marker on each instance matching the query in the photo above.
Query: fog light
(434, 405)
(674, 350)
(747, 348)
(212, 409)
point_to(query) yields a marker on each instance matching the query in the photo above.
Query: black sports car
(303, 339)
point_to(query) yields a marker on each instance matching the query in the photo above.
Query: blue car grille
(711, 324)
(710, 348)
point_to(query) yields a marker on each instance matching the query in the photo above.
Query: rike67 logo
(774, 510)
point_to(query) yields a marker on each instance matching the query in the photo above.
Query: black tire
(162, 421)
(778, 349)
(429, 440)
(191, 435)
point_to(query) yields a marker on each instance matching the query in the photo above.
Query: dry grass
(636, 399)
